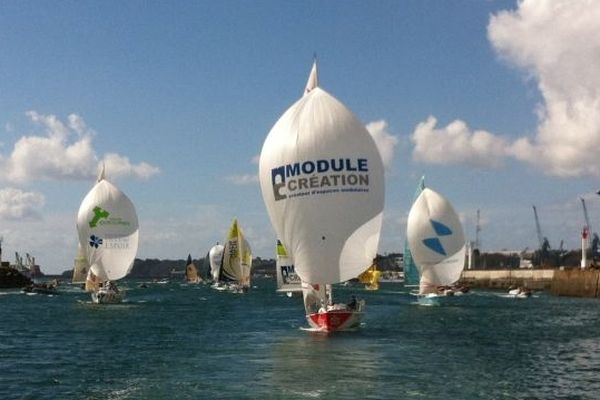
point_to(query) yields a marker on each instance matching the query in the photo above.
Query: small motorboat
(49, 288)
(520, 293)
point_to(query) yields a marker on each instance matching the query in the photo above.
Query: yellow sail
(237, 257)
(80, 267)
(370, 278)
(191, 272)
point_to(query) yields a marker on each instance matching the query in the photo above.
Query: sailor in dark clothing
(352, 304)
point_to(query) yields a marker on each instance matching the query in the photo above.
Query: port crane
(541, 238)
(543, 241)
(591, 235)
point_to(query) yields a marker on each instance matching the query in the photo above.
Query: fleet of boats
(322, 182)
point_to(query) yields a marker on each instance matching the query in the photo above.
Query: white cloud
(63, 151)
(386, 143)
(248, 179)
(16, 204)
(117, 165)
(245, 179)
(457, 143)
(557, 44)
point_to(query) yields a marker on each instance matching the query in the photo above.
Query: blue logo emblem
(95, 241)
(434, 243)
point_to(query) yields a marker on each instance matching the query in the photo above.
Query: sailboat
(288, 281)
(236, 262)
(437, 244)
(411, 273)
(321, 177)
(107, 225)
(191, 272)
(80, 267)
(215, 257)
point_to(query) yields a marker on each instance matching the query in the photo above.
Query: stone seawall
(576, 283)
(536, 279)
(569, 282)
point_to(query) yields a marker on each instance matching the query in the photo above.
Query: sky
(496, 103)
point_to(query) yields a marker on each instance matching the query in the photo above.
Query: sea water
(175, 341)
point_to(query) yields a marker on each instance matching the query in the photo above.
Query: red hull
(335, 320)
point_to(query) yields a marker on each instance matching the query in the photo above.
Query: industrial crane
(543, 241)
(591, 235)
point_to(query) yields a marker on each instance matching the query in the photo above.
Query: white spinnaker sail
(436, 239)
(108, 229)
(322, 182)
(215, 256)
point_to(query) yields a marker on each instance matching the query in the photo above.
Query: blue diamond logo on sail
(434, 243)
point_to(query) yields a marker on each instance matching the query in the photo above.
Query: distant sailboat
(191, 272)
(215, 257)
(370, 278)
(108, 229)
(322, 182)
(80, 267)
(411, 273)
(236, 262)
(287, 280)
(437, 244)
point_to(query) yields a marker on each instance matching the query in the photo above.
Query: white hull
(435, 299)
(230, 287)
(104, 296)
(519, 294)
(291, 293)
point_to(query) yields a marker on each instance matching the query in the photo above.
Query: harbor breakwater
(560, 282)
(536, 279)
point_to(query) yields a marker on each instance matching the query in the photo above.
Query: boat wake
(308, 329)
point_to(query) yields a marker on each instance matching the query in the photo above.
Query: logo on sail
(99, 214)
(434, 243)
(320, 177)
(103, 217)
(95, 241)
